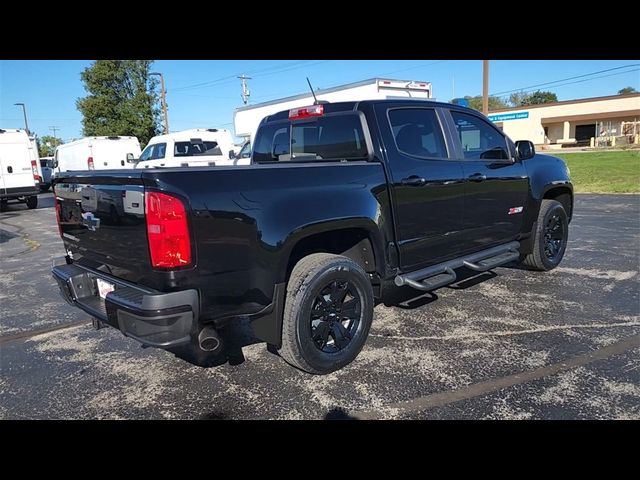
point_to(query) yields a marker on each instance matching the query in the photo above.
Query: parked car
(343, 204)
(19, 176)
(97, 153)
(197, 147)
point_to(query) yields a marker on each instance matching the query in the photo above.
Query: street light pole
(24, 112)
(163, 98)
(485, 87)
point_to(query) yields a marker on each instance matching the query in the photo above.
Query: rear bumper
(11, 193)
(153, 318)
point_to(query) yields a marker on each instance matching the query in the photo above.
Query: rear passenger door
(426, 181)
(496, 185)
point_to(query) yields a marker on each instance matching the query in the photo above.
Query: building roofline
(565, 102)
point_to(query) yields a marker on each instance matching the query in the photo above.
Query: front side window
(417, 132)
(479, 139)
(245, 151)
(154, 151)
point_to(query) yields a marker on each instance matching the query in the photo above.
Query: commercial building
(585, 122)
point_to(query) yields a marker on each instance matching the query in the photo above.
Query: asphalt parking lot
(511, 344)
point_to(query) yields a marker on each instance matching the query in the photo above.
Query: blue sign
(499, 117)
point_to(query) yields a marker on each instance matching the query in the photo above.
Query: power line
(221, 80)
(564, 79)
(414, 67)
(580, 81)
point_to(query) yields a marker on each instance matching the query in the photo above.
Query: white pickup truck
(191, 148)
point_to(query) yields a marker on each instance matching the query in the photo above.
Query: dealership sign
(501, 117)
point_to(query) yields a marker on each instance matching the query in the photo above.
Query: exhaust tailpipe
(209, 340)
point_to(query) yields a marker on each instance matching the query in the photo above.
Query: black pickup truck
(342, 205)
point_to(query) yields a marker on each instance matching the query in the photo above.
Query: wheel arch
(357, 239)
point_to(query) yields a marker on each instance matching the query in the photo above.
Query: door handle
(413, 181)
(477, 177)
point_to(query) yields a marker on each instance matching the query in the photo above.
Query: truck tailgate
(102, 221)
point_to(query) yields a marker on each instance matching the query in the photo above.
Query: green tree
(121, 101)
(47, 145)
(518, 99)
(627, 90)
(539, 97)
(495, 103)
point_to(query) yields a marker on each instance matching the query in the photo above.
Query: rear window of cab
(331, 137)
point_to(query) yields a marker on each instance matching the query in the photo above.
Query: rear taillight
(167, 231)
(90, 165)
(34, 169)
(58, 214)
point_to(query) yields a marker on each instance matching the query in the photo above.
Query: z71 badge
(514, 210)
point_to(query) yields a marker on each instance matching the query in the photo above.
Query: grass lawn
(604, 172)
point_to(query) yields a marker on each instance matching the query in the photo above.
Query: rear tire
(550, 237)
(328, 313)
(32, 202)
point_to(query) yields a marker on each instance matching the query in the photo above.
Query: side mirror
(232, 155)
(55, 164)
(130, 158)
(525, 149)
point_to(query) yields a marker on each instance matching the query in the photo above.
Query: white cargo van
(96, 153)
(35, 155)
(191, 148)
(18, 168)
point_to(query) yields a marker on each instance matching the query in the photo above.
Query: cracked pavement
(508, 344)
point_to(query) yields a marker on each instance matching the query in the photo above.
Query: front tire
(550, 237)
(32, 202)
(327, 314)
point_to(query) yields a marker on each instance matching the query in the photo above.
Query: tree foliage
(518, 99)
(47, 145)
(121, 100)
(627, 90)
(495, 103)
(540, 97)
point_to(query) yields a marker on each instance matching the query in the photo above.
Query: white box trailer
(246, 119)
(96, 153)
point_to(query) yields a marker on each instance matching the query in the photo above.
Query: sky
(205, 93)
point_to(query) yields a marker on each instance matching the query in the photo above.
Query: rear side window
(479, 139)
(195, 148)
(417, 132)
(332, 137)
(154, 152)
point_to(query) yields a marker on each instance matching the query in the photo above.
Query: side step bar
(443, 274)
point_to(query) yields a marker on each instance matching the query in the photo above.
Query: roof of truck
(352, 105)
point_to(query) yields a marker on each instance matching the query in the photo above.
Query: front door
(497, 185)
(426, 184)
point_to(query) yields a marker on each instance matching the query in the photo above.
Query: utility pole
(163, 100)
(54, 130)
(24, 112)
(485, 87)
(245, 89)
